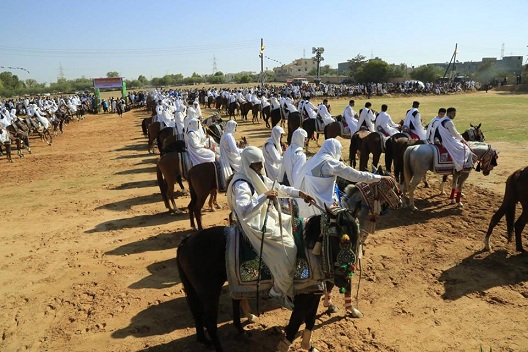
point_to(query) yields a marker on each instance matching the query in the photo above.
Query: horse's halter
(487, 161)
(341, 264)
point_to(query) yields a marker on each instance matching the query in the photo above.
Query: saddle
(442, 161)
(242, 263)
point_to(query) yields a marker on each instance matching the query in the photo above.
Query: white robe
(323, 112)
(250, 208)
(272, 151)
(385, 123)
(294, 158)
(350, 117)
(318, 176)
(413, 116)
(366, 116)
(196, 148)
(229, 152)
(452, 141)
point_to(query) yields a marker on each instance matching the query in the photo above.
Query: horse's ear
(480, 124)
(471, 125)
(380, 170)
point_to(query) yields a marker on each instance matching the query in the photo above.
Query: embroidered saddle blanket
(442, 161)
(242, 262)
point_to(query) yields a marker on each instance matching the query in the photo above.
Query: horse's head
(476, 133)
(340, 245)
(488, 161)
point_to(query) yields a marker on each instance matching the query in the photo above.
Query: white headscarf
(276, 133)
(230, 126)
(331, 149)
(297, 144)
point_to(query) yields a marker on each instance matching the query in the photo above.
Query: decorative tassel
(348, 301)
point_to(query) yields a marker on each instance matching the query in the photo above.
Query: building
(298, 68)
(506, 65)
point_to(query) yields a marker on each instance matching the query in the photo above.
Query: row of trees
(360, 70)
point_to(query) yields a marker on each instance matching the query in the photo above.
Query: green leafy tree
(355, 64)
(325, 70)
(427, 73)
(216, 78)
(372, 71)
(112, 74)
(143, 80)
(10, 81)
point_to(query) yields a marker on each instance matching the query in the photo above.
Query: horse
(474, 133)
(231, 110)
(20, 134)
(516, 191)
(201, 262)
(255, 109)
(168, 172)
(153, 130)
(394, 149)
(203, 181)
(336, 129)
(419, 158)
(144, 125)
(266, 114)
(276, 117)
(245, 108)
(294, 122)
(163, 135)
(371, 143)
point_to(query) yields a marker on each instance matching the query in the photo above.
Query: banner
(114, 82)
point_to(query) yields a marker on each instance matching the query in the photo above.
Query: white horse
(418, 160)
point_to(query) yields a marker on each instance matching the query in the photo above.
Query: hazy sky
(158, 37)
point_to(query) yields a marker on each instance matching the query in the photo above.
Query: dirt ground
(87, 260)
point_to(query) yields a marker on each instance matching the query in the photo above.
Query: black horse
(201, 259)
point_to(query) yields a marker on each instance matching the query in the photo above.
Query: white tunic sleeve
(338, 168)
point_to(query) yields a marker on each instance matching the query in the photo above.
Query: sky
(159, 37)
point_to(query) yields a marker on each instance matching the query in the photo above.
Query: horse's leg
(170, 196)
(191, 205)
(210, 300)
(197, 208)
(442, 185)
(8, 152)
(305, 310)
(504, 209)
(520, 224)
(412, 186)
(19, 148)
(244, 305)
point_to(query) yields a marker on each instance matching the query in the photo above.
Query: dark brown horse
(144, 125)
(368, 144)
(153, 130)
(266, 114)
(394, 151)
(245, 108)
(516, 191)
(202, 270)
(168, 171)
(294, 122)
(203, 181)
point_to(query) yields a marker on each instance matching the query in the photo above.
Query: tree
(427, 73)
(325, 70)
(373, 71)
(112, 74)
(216, 79)
(355, 63)
(143, 80)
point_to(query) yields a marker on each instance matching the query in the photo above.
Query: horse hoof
(332, 309)
(452, 201)
(251, 318)
(354, 313)
(460, 205)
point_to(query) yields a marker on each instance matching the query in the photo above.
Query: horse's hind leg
(493, 222)
(519, 226)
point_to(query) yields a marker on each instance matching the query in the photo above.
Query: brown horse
(516, 191)
(153, 132)
(266, 114)
(366, 143)
(245, 108)
(294, 122)
(395, 149)
(144, 125)
(168, 171)
(203, 181)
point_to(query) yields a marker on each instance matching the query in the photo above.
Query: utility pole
(261, 63)
(318, 58)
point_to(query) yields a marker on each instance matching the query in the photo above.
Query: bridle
(485, 161)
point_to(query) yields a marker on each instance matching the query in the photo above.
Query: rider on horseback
(367, 118)
(246, 196)
(384, 123)
(413, 123)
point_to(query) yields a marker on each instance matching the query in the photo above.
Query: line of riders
(43, 117)
(253, 176)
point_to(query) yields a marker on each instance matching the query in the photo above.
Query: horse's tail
(192, 296)
(144, 127)
(407, 170)
(388, 155)
(162, 185)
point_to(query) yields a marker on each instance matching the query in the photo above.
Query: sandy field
(87, 259)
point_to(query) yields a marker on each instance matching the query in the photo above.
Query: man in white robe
(324, 114)
(351, 117)
(384, 123)
(310, 111)
(433, 125)
(413, 123)
(229, 152)
(196, 145)
(247, 197)
(454, 142)
(367, 118)
(272, 151)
